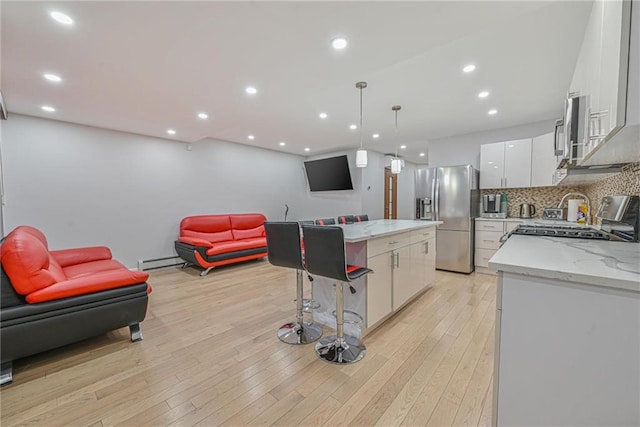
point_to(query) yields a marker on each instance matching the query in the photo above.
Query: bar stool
(325, 221)
(362, 218)
(346, 219)
(284, 250)
(325, 256)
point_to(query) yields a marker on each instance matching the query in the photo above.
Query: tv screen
(329, 174)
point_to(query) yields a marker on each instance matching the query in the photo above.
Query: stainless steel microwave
(572, 131)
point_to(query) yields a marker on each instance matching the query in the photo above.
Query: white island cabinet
(567, 332)
(401, 254)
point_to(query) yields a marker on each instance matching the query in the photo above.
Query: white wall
(88, 186)
(465, 149)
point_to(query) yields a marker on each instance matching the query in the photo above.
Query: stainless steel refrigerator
(450, 194)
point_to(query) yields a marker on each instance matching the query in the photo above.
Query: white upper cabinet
(543, 160)
(492, 165)
(505, 164)
(517, 163)
(604, 63)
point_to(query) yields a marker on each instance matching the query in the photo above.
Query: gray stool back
(284, 249)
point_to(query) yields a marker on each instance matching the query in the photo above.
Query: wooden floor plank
(211, 357)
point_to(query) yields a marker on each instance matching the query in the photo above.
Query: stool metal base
(330, 350)
(296, 333)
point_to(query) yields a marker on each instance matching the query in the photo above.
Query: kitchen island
(401, 254)
(567, 332)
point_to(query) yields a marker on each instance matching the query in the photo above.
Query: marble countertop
(366, 230)
(594, 262)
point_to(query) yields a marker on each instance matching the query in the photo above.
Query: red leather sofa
(210, 241)
(54, 298)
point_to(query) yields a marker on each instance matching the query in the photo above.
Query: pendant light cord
(361, 117)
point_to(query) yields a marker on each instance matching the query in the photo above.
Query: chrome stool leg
(340, 348)
(299, 332)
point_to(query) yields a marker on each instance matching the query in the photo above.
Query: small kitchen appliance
(491, 203)
(527, 210)
(553, 213)
(621, 217)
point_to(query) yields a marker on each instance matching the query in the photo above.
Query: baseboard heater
(156, 263)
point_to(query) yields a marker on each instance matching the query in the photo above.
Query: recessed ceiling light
(495, 167)
(492, 112)
(353, 127)
(402, 147)
(61, 18)
(171, 131)
(203, 116)
(307, 149)
(339, 43)
(376, 135)
(52, 77)
(490, 163)
(323, 115)
(469, 68)
(421, 154)
(483, 94)
(251, 137)
(282, 144)
(511, 146)
(48, 109)
(251, 90)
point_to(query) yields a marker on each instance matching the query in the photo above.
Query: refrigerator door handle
(436, 198)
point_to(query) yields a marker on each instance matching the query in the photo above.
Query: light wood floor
(210, 356)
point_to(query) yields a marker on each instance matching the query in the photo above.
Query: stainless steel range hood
(579, 175)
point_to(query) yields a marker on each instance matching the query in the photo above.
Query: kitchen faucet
(582, 196)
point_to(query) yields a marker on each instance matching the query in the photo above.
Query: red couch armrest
(88, 284)
(195, 242)
(67, 257)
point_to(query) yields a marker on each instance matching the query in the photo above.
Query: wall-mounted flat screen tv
(329, 174)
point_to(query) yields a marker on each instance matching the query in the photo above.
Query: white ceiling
(144, 67)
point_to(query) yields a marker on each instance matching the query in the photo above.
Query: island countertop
(361, 231)
(595, 262)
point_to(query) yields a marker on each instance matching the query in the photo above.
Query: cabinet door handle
(393, 242)
(397, 259)
(426, 248)
(490, 241)
(505, 182)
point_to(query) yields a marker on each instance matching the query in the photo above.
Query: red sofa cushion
(247, 226)
(83, 269)
(225, 247)
(35, 233)
(67, 257)
(212, 228)
(28, 263)
(85, 285)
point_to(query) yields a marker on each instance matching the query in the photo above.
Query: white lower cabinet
(403, 271)
(488, 234)
(379, 287)
(567, 354)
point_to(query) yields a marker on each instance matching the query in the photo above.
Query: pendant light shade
(361, 158)
(361, 154)
(396, 166)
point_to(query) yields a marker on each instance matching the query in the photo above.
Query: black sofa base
(29, 329)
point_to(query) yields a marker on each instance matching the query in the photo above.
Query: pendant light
(396, 163)
(361, 154)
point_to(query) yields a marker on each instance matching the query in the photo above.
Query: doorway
(390, 194)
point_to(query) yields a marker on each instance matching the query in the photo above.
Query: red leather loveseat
(210, 241)
(54, 298)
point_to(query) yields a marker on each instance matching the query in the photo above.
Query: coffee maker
(491, 204)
